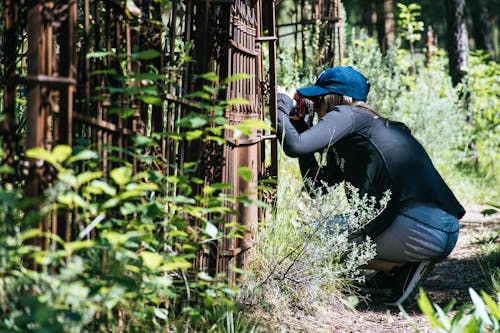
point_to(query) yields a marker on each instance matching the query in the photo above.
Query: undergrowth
(307, 256)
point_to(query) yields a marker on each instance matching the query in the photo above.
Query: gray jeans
(419, 232)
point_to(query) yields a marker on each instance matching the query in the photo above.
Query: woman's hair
(333, 100)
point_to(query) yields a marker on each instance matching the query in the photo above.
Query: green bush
(306, 255)
(130, 267)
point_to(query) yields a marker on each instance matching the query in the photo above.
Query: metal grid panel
(69, 99)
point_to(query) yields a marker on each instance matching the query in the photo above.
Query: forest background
(135, 277)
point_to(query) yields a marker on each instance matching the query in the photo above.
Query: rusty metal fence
(316, 29)
(62, 58)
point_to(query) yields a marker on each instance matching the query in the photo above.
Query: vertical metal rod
(338, 24)
(9, 125)
(272, 86)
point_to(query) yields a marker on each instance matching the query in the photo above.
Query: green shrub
(306, 255)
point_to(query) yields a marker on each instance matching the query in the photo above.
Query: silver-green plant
(307, 253)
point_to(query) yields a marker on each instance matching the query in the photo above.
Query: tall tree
(482, 27)
(457, 40)
(389, 24)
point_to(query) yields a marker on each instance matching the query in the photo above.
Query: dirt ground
(450, 279)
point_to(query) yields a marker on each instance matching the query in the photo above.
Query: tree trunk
(369, 17)
(385, 23)
(482, 28)
(389, 23)
(458, 48)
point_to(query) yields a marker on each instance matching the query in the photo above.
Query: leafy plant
(306, 255)
(483, 315)
(410, 27)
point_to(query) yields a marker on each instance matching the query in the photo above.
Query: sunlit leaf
(61, 152)
(205, 277)
(237, 101)
(237, 77)
(192, 135)
(121, 175)
(87, 176)
(99, 54)
(161, 313)
(175, 264)
(211, 76)
(146, 55)
(103, 187)
(245, 173)
(151, 260)
(78, 245)
(151, 100)
(42, 154)
(211, 230)
(83, 156)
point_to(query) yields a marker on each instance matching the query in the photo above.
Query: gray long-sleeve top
(371, 153)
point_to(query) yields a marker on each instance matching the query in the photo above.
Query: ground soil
(467, 266)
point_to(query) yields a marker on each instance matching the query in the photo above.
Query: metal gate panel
(71, 97)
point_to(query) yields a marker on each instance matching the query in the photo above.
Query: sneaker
(405, 279)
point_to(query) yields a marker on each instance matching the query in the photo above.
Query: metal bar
(8, 126)
(273, 86)
(49, 81)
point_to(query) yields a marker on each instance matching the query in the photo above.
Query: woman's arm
(331, 128)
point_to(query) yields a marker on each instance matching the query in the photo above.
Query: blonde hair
(333, 100)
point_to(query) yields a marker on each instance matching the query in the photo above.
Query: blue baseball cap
(342, 80)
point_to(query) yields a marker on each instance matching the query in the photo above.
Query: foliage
(131, 267)
(483, 85)
(483, 315)
(307, 254)
(410, 27)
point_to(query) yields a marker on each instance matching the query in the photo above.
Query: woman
(419, 226)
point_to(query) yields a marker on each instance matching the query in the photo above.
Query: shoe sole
(423, 268)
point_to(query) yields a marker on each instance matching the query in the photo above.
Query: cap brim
(313, 91)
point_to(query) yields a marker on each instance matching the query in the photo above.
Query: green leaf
(197, 121)
(99, 54)
(211, 230)
(42, 154)
(161, 313)
(245, 173)
(237, 77)
(83, 156)
(198, 94)
(71, 199)
(61, 152)
(110, 203)
(480, 307)
(205, 277)
(237, 101)
(87, 176)
(78, 245)
(121, 175)
(489, 211)
(192, 135)
(146, 55)
(124, 112)
(210, 76)
(256, 124)
(68, 178)
(151, 260)
(151, 100)
(99, 186)
(493, 307)
(175, 264)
